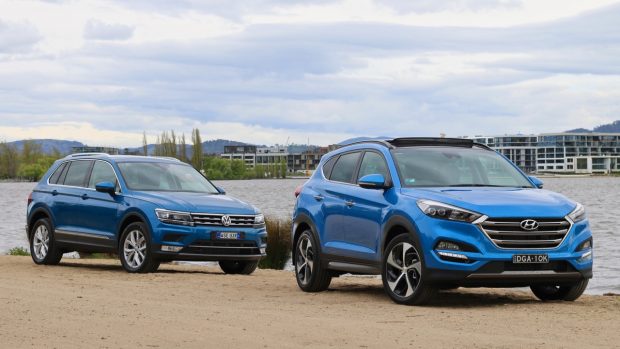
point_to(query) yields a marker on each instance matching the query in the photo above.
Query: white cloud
(266, 71)
(98, 30)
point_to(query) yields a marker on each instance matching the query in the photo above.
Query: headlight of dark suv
(444, 211)
(174, 217)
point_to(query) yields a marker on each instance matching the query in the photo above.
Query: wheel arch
(395, 226)
(129, 218)
(36, 214)
(301, 223)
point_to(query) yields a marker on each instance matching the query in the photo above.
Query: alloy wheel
(40, 242)
(134, 248)
(304, 263)
(403, 269)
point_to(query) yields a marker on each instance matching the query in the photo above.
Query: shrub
(278, 243)
(18, 251)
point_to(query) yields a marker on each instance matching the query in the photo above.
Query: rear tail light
(298, 190)
(29, 198)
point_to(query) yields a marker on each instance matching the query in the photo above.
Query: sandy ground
(94, 303)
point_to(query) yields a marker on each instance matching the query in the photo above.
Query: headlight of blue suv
(259, 219)
(444, 211)
(174, 217)
(578, 214)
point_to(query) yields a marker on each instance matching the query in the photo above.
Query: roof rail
(414, 141)
(78, 155)
(483, 146)
(382, 142)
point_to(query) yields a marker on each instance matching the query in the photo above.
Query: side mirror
(373, 181)
(221, 190)
(537, 182)
(106, 187)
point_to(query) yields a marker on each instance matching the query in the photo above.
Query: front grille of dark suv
(223, 248)
(508, 233)
(216, 220)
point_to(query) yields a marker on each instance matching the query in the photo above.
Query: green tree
(183, 149)
(197, 160)
(9, 160)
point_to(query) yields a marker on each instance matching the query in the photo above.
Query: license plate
(530, 259)
(225, 235)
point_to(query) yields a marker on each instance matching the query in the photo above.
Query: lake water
(600, 196)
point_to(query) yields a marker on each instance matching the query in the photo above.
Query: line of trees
(30, 163)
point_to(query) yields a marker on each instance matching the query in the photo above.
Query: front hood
(197, 202)
(500, 202)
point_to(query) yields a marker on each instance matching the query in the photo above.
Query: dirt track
(93, 303)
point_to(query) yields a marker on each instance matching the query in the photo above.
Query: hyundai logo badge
(529, 224)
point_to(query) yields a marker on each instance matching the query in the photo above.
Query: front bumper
(199, 243)
(487, 265)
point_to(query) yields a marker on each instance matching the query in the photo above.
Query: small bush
(18, 251)
(278, 243)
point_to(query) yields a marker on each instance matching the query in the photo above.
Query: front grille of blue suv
(437, 213)
(148, 210)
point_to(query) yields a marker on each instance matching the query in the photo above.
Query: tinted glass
(373, 163)
(456, 167)
(329, 165)
(76, 175)
(345, 167)
(54, 178)
(102, 172)
(154, 176)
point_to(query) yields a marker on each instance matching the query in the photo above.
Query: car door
(332, 193)
(67, 201)
(100, 211)
(364, 212)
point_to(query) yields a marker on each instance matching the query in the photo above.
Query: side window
(329, 165)
(345, 168)
(77, 172)
(54, 177)
(102, 172)
(373, 163)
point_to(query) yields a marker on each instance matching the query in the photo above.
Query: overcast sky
(268, 71)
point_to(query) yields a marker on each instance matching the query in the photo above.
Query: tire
(403, 270)
(310, 273)
(556, 293)
(43, 248)
(238, 267)
(134, 250)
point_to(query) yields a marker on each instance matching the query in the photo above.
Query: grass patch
(278, 243)
(18, 251)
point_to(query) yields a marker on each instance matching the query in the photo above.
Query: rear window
(77, 172)
(345, 168)
(56, 176)
(329, 165)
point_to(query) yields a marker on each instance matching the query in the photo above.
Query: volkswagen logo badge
(529, 224)
(226, 220)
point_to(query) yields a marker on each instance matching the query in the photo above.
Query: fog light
(453, 256)
(447, 245)
(585, 257)
(263, 250)
(585, 245)
(168, 248)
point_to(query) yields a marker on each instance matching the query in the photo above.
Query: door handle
(84, 196)
(319, 197)
(349, 203)
(54, 192)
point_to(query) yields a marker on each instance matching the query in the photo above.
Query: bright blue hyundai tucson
(437, 213)
(146, 209)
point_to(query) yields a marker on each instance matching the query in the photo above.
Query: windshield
(456, 167)
(162, 176)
